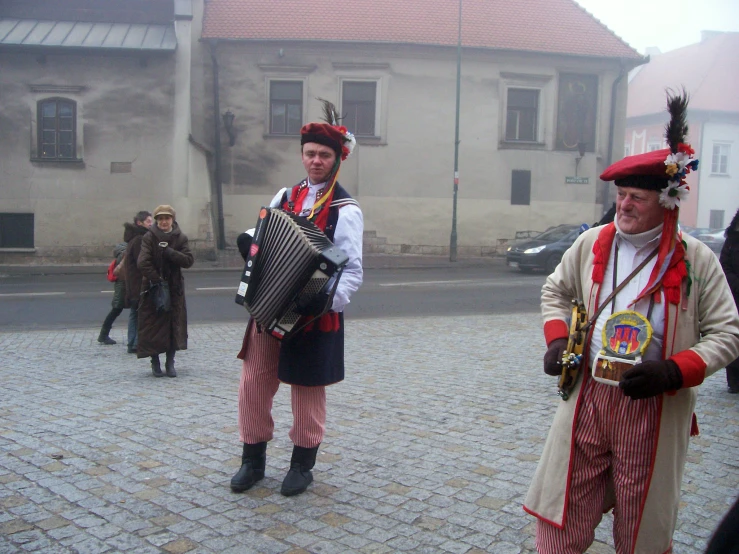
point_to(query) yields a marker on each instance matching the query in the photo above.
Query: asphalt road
(82, 300)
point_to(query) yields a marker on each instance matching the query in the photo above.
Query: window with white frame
(720, 158)
(57, 121)
(359, 107)
(716, 219)
(653, 145)
(285, 107)
(522, 115)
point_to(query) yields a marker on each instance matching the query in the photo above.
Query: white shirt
(632, 251)
(347, 236)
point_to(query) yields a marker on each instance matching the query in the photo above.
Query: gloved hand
(553, 357)
(244, 244)
(168, 251)
(311, 304)
(651, 378)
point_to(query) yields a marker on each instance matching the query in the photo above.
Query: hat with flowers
(664, 171)
(331, 134)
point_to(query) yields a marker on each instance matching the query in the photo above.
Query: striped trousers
(257, 389)
(614, 436)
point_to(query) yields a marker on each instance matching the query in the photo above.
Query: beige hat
(164, 209)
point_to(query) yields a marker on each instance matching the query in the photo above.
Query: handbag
(112, 277)
(160, 296)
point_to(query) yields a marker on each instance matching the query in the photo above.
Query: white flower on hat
(671, 196)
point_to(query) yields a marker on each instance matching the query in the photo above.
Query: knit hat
(164, 209)
(663, 171)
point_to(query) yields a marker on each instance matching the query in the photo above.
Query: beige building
(543, 93)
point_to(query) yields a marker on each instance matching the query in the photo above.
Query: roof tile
(552, 26)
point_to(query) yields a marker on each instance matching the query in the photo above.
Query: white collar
(639, 240)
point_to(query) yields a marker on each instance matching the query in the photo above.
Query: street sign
(577, 180)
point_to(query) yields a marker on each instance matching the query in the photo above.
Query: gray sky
(667, 24)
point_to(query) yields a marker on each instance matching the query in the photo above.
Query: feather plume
(330, 115)
(677, 129)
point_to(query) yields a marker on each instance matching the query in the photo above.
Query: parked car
(714, 240)
(543, 252)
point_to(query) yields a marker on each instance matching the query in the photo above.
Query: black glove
(244, 243)
(553, 357)
(651, 378)
(311, 304)
(168, 251)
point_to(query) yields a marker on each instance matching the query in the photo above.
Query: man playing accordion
(314, 358)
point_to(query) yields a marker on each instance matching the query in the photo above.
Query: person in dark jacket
(119, 296)
(164, 253)
(136, 231)
(730, 263)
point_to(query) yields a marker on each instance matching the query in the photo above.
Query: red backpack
(111, 276)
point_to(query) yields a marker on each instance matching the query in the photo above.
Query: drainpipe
(612, 124)
(221, 233)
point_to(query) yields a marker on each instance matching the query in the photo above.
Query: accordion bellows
(289, 257)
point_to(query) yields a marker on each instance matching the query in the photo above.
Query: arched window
(57, 120)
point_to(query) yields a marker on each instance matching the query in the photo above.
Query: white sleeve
(275, 202)
(348, 237)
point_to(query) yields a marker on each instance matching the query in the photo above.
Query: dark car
(543, 252)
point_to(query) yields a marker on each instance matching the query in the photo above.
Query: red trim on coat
(555, 329)
(542, 518)
(602, 252)
(651, 474)
(692, 367)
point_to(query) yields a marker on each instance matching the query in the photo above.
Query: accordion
(289, 257)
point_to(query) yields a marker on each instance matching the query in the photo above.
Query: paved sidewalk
(432, 441)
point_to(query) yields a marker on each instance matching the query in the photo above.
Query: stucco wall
(404, 178)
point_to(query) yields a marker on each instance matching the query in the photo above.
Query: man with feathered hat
(621, 439)
(314, 358)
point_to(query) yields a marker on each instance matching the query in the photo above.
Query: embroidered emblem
(626, 336)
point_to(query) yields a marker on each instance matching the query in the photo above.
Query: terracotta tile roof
(707, 70)
(552, 26)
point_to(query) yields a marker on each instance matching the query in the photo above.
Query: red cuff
(555, 329)
(692, 367)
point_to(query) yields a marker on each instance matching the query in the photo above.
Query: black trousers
(732, 375)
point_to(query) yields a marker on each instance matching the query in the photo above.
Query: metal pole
(220, 232)
(453, 237)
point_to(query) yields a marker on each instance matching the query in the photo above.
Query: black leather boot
(169, 365)
(156, 367)
(299, 476)
(253, 461)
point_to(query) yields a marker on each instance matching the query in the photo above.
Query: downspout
(221, 238)
(612, 124)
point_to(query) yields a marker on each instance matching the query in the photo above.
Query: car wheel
(525, 269)
(552, 262)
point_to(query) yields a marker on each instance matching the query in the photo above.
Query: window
(520, 187)
(521, 119)
(716, 219)
(16, 230)
(57, 121)
(654, 145)
(285, 107)
(359, 107)
(627, 149)
(577, 112)
(720, 159)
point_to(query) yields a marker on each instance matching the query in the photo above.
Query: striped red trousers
(613, 432)
(257, 389)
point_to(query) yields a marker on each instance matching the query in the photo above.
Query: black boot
(299, 476)
(169, 365)
(156, 367)
(103, 337)
(253, 460)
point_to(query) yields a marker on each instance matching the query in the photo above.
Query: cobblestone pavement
(431, 443)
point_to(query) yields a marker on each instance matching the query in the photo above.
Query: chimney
(708, 35)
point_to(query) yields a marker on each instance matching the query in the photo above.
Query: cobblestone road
(431, 443)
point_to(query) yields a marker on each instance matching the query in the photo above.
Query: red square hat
(331, 134)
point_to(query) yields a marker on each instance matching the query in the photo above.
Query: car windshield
(553, 235)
